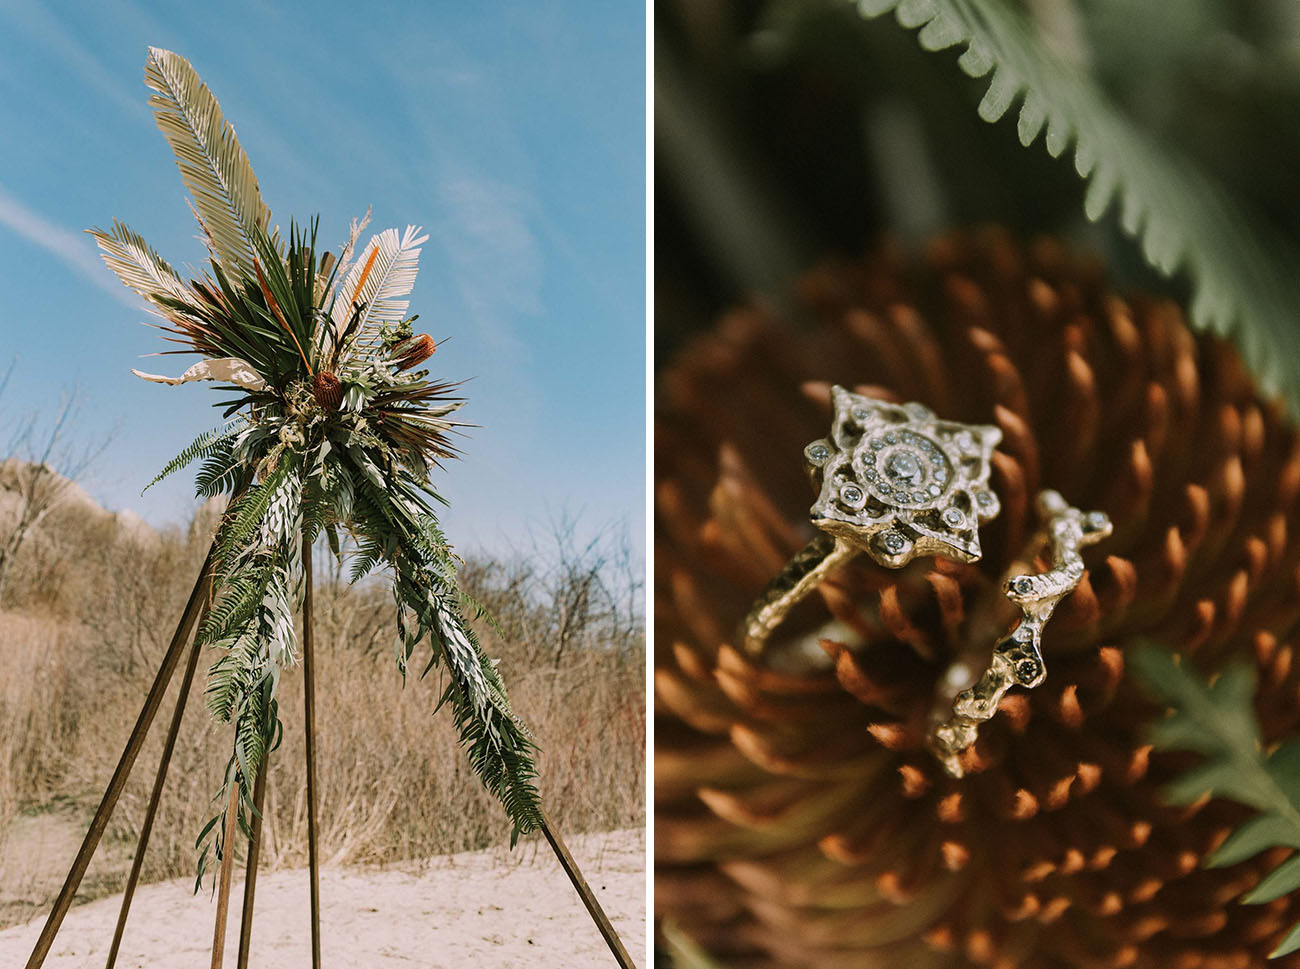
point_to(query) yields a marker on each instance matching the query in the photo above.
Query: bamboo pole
(123, 770)
(309, 709)
(250, 869)
(588, 896)
(227, 865)
(146, 829)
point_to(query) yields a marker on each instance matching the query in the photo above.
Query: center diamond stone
(904, 467)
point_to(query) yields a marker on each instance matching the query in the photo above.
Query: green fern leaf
(204, 446)
(1246, 282)
(1219, 721)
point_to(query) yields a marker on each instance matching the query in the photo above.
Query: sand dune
(482, 909)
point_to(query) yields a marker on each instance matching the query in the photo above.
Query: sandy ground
(481, 909)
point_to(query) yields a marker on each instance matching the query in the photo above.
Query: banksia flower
(413, 352)
(328, 390)
(801, 820)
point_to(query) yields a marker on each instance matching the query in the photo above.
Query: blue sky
(514, 133)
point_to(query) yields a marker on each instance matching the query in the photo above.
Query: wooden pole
(309, 708)
(588, 896)
(123, 770)
(227, 865)
(146, 829)
(250, 870)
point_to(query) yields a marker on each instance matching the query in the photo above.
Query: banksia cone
(412, 352)
(328, 390)
(800, 819)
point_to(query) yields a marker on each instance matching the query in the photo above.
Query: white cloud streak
(495, 256)
(73, 249)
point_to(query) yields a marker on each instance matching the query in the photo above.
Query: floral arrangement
(332, 427)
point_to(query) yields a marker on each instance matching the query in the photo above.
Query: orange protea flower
(413, 352)
(800, 819)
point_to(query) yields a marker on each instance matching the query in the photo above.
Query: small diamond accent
(891, 438)
(817, 453)
(954, 517)
(983, 499)
(852, 494)
(877, 444)
(884, 488)
(860, 414)
(893, 541)
(1022, 586)
(964, 441)
(1097, 519)
(935, 491)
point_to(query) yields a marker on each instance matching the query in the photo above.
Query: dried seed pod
(798, 796)
(328, 390)
(412, 352)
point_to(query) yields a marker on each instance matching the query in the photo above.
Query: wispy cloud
(46, 30)
(71, 248)
(495, 256)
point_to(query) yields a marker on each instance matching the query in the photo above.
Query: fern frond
(1246, 281)
(1219, 722)
(212, 162)
(203, 446)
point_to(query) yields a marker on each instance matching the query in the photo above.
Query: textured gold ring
(895, 482)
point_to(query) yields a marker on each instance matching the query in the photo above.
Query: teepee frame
(191, 618)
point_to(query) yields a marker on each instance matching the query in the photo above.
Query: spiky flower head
(801, 820)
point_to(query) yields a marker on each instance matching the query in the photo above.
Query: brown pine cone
(328, 390)
(413, 352)
(800, 819)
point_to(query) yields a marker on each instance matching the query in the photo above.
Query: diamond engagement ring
(895, 482)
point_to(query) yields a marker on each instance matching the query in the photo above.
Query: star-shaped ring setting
(893, 481)
(898, 482)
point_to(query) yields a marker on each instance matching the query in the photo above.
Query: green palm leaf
(212, 163)
(1246, 282)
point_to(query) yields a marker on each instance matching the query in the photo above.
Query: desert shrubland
(93, 600)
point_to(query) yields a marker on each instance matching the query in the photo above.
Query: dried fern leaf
(1246, 281)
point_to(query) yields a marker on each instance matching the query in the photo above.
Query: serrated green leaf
(1245, 278)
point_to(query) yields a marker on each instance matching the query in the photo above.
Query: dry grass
(88, 617)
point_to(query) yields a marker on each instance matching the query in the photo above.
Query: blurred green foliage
(790, 130)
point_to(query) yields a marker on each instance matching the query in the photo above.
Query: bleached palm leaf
(138, 266)
(214, 166)
(390, 277)
(231, 370)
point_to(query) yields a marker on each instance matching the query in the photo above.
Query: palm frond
(1246, 281)
(211, 160)
(384, 272)
(140, 267)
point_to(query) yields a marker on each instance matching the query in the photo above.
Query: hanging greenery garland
(331, 428)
